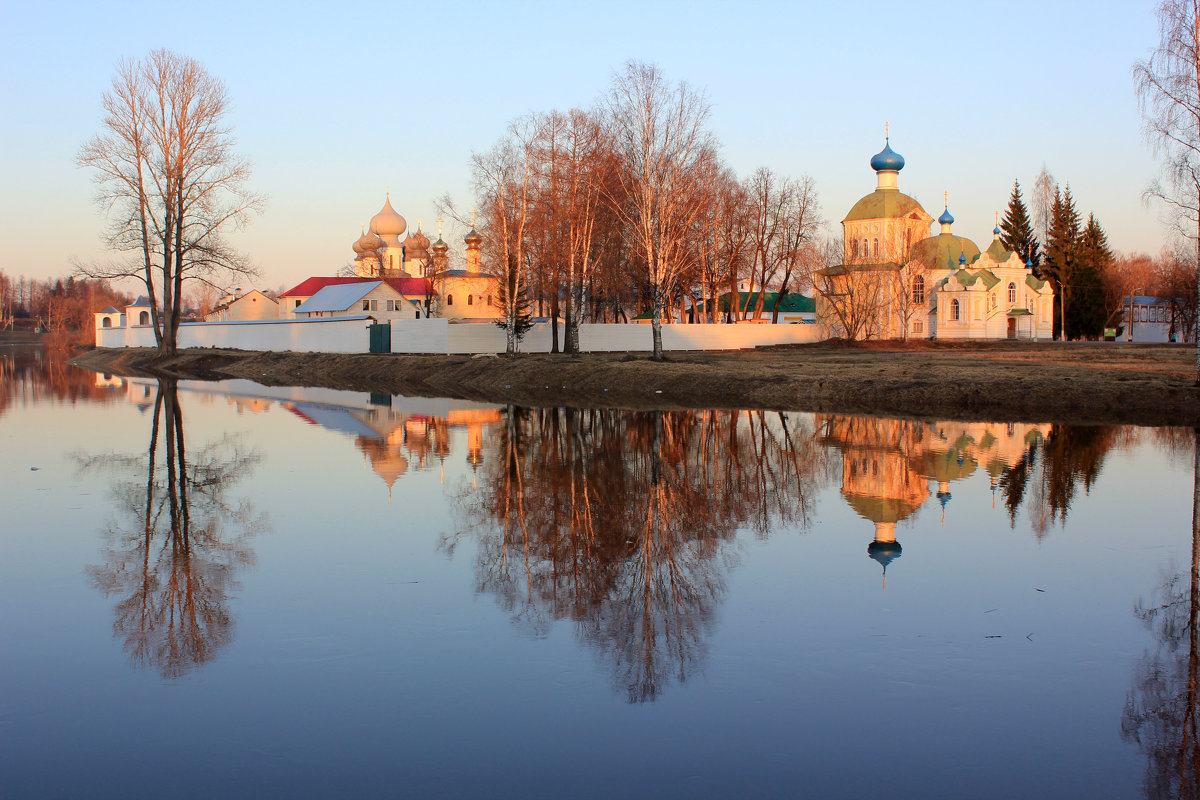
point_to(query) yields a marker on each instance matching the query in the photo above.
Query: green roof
(793, 303)
(997, 252)
(1034, 281)
(885, 204)
(846, 269)
(942, 251)
(989, 278)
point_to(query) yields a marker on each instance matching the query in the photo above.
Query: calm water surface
(232, 590)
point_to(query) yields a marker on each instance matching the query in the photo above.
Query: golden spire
(946, 197)
(887, 134)
(472, 219)
(439, 227)
(418, 225)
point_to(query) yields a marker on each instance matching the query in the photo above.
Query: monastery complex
(898, 281)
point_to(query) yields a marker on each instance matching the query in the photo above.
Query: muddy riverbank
(1142, 384)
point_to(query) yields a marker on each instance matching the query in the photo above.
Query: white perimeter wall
(300, 335)
(326, 335)
(438, 336)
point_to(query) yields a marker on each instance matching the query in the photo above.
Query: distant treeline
(63, 309)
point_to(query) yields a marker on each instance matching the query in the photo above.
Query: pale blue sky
(334, 101)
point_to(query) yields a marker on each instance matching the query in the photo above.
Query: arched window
(866, 248)
(853, 249)
(874, 248)
(991, 300)
(1012, 294)
(954, 310)
(449, 299)
(918, 290)
(489, 299)
(144, 318)
(470, 299)
(107, 323)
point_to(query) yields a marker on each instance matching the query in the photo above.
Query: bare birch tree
(169, 182)
(659, 133)
(1045, 187)
(1168, 87)
(502, 179)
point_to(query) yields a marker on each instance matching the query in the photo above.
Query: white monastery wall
(349, 335)
(437, 336)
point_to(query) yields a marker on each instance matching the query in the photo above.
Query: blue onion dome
(1029, 262)
(887, 159)
(962, 259)
(884, 552)
(997, 232)
(946, 218)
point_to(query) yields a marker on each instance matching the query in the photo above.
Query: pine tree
(1062, 245)
(1016, 229)
(1086, 316)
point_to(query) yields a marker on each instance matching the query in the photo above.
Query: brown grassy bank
(1091, 383)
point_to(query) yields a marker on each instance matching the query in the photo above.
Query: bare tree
(1044, 190)
(659, 134)
(169, 181)
(1168, 87)
(502, 179)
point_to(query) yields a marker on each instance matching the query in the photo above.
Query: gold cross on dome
(472, 219)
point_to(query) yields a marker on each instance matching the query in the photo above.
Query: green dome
(942, 251)
(884, 204)
(880, 509)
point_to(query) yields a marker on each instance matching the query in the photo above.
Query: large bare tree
(667, 154)
(169, 181)
(1168, 86)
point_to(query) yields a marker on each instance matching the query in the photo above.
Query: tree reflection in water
(622, 522)
(1161, 710)
(176, 542)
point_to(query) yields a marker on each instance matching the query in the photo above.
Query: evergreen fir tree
(1016, 229)
(1086, 316)
(1062, 245)
(517, 314)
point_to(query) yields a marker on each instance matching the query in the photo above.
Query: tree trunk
(554, 322)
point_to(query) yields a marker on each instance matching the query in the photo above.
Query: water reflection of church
(888, 465)
(395, 434)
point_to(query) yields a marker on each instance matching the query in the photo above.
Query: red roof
(409, 287)
(313, 285)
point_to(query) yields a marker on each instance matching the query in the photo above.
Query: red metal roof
(409, 287)
(313, 285)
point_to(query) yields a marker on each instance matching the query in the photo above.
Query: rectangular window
(366, 305)
(297, 304)
(918, 326)
(374, 305)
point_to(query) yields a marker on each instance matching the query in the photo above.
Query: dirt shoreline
(1091, 383)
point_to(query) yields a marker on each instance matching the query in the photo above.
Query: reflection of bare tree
(173, 562)
(1161, 711)
(621, 522)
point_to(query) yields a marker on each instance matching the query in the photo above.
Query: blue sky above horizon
(334, 102)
